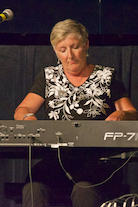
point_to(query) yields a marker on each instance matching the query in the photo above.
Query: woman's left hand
(124, 111)
(117, 116)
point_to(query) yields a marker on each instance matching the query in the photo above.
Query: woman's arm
(124, 111)
(30, 104)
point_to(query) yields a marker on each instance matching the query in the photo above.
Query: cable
(67, 174)
(30, 175)
(115, 170)
(95, 185)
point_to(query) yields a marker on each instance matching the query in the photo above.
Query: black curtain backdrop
(19, 66)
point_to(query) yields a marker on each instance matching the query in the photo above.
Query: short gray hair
(63, 28)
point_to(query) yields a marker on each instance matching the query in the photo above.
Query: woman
(75, 90)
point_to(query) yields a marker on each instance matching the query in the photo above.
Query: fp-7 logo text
(116, 135)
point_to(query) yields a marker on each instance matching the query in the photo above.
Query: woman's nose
(70, 53)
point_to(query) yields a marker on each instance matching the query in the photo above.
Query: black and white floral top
(94, 99)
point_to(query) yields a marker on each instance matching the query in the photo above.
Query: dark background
(99, 16)
(25, 49)
(109, 22)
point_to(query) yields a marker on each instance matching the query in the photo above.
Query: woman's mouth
(72, 62)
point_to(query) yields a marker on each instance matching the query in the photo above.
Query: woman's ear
(87, 44)
(58, 61)
(54, 49)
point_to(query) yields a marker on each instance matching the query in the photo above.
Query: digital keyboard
(69, 133)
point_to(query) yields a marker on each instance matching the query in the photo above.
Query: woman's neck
(80, 78)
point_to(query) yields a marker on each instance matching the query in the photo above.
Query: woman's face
(72, 54)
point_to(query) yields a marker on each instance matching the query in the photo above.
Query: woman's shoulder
(53, 68)
(53, 71)
(103, 67)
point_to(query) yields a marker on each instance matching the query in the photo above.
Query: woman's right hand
(30, 104)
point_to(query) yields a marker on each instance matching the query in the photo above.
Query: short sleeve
(118, 89)
(39, 84)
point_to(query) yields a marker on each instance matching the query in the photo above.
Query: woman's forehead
(71, 38)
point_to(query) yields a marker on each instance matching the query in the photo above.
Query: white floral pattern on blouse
(67, 98)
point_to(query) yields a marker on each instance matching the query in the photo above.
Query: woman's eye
(62, 50)
(75, 46)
